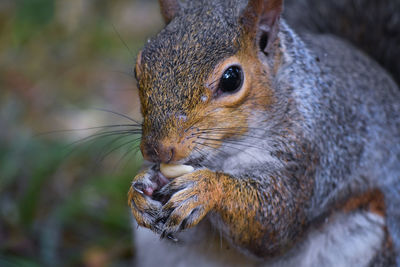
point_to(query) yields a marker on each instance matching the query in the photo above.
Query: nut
(175, 170)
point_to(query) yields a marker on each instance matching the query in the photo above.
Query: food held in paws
(175, 170)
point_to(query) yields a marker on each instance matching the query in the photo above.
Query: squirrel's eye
(231, 80)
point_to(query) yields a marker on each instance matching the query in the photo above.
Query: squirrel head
(205, 74)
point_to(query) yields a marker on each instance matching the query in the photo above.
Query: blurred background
(67, 65)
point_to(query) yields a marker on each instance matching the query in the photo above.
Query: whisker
(89, 141)
(101, 135)
(220, 131)
(233, 147)
(116, 113)
(87, 129)
(210, 146)
(199, 151)
(118, 147)
(218, 156)
(231, 128)
(135, 149)
(203, 155)
(230, 133)
(113, 141)
(231, 142)
(122, 40)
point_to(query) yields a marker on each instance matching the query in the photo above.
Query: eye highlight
(231, 80)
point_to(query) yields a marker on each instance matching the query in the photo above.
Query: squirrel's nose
(157, 152)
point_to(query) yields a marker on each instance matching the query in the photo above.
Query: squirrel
(293, 140)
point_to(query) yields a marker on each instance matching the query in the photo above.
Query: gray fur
(343, 240)
(370, 25)
(347, 106)
(334, 130)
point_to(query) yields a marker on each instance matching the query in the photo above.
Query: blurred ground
(63, 204)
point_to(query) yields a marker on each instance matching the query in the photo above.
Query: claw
(143, 189)
(139, 187)
(171, 237)
(164, 234)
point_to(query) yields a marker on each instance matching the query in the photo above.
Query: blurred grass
(64, 205)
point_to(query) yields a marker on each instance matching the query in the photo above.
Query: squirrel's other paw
(193, 195)
(144, 208)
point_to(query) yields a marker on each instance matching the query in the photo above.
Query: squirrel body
(285, 133)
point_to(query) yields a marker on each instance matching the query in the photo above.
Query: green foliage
(31, 17)
(12, 261)
(59, 214)
(62, 204)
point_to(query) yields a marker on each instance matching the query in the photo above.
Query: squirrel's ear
(169, 9)
(260, 20)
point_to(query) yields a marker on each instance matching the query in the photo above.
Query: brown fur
(372, 201)
(248, 226)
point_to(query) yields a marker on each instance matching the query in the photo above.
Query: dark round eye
(231, 80)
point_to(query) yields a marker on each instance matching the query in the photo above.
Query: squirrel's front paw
(193, 195)
(145, 209)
